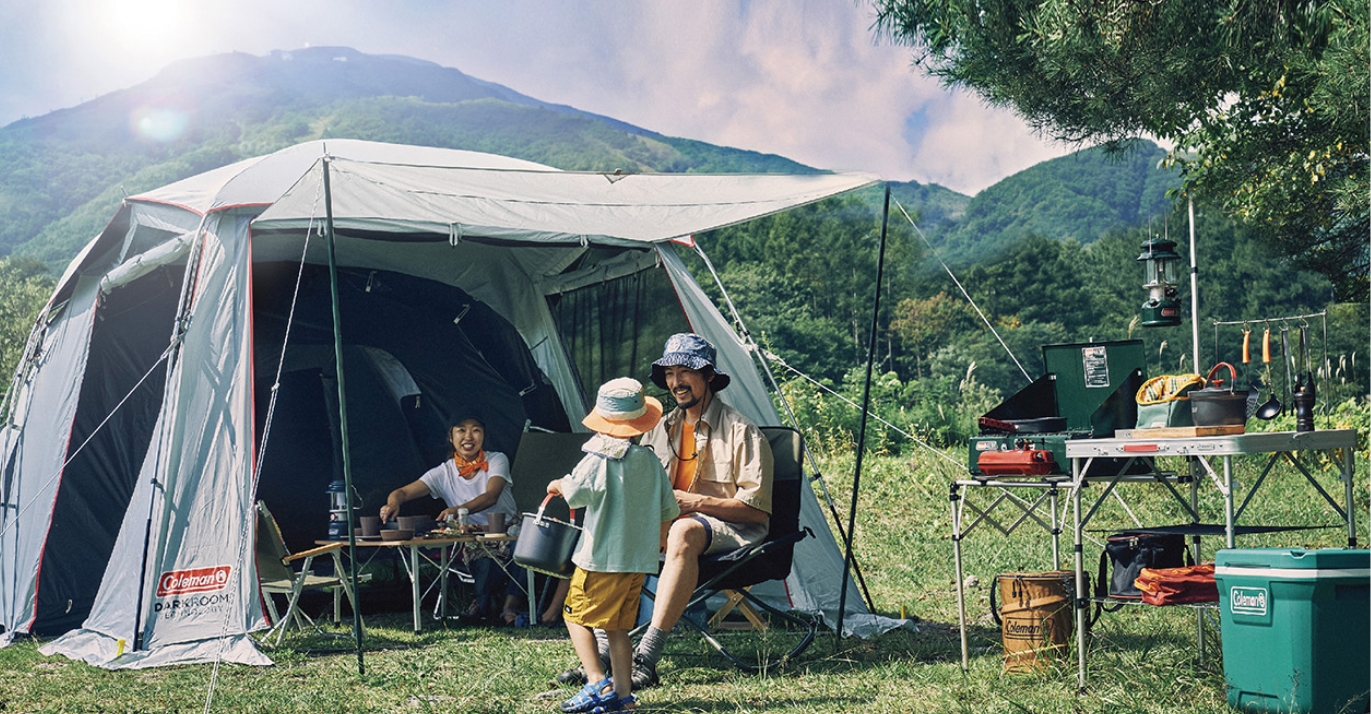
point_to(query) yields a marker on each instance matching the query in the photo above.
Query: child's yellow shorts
(605, 601)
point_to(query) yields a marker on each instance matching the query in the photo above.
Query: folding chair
(276, 576)
(733, 573)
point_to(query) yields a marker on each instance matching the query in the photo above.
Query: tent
(182, 369)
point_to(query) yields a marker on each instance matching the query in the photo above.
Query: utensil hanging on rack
(1272, 406)
(1253, 393)
(1287, 358)
(1302, 390)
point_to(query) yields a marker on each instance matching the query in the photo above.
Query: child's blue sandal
(591, 697)
(627, 704)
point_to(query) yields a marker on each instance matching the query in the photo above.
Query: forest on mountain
(1046, 256)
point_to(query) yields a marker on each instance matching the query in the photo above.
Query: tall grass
(1141, 659)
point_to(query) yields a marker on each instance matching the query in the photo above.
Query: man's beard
(692, 401)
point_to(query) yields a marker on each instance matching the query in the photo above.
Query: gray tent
(141, 424)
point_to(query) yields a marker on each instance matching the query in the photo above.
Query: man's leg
(680, 572)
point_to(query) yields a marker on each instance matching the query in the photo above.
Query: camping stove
(1088, 391)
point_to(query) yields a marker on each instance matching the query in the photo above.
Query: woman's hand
(554, 487)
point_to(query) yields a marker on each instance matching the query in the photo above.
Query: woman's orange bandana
(466, 468)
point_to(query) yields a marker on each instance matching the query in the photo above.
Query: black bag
(1130, 552)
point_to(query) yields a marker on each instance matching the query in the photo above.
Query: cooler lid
(1293, 558)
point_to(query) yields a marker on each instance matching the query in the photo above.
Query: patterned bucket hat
(688, 349)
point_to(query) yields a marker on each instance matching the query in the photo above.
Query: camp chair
(277, 576)
(733, 573)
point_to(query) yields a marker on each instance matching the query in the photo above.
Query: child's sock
(602, 644)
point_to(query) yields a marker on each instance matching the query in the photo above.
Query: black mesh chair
(732, 573)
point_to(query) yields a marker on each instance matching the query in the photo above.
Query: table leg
(446, 559)
(414, 585)
(957, 566)
(1082, 604)
(1348, 455)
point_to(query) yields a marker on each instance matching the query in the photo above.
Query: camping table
(444, 562)
(1204, 454)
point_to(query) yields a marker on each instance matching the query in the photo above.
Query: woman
(474, 479)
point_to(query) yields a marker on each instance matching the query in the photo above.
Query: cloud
(806, 79)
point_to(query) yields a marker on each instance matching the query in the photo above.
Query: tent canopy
(465, 279)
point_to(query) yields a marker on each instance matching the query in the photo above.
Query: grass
(1141, 659)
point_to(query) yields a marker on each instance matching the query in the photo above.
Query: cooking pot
(1217, 405)
(545, 544)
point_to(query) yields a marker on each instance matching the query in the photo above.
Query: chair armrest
(313, 552)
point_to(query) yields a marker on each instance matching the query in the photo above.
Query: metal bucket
(1216, 406)
(1036, 617)
(546, 544)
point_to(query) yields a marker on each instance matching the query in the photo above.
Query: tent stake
(343, 418)
(866, 409)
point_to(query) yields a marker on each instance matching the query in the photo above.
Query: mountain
(1080, 197)
(63, 174)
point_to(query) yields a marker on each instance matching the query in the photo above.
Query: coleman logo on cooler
(1247, 601)
(194, 580)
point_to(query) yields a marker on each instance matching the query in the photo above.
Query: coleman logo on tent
(195, 580)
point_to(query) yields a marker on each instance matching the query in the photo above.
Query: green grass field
(1141, 659)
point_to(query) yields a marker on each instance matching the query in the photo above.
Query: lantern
(338, 520)
(1159, 259)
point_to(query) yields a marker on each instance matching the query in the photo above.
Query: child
(629, 506)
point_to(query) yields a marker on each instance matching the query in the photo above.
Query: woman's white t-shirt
(444, 482)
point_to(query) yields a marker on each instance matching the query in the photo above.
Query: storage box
(1296, 628)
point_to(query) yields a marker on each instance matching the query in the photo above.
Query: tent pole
(343, 417)
(866, 408)
(756, 351)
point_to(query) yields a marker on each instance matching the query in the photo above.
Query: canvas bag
(1165, 402)
(1126, 554)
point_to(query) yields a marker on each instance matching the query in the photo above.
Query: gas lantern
(1159, 259)
(338, 520)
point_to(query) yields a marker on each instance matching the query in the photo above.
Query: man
(720, 467)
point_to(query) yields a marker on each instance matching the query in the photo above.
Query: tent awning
(541, 206)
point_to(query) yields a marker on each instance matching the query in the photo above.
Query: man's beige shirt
(734, 458)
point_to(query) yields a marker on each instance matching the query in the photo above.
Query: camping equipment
(1162, 308)
(1035, 616)
(1086, 392)
(1177, 586)
(1253, 393)
(1126, 554)
(1216, 406)
(397, 534)
(1303, 396)
(199, 324)
(1022, 460)
(1294, 625)
(1164, 402)
(338, 518)
(546, 544)
(1272, 406)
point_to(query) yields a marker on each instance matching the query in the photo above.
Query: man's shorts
(605, 601)
(724, 536)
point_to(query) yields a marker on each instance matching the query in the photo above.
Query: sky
(806, 79)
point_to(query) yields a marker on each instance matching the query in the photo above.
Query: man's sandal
(591, 697)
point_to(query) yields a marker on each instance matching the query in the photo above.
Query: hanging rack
(1285, 320)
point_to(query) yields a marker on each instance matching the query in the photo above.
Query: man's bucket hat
(688, 349)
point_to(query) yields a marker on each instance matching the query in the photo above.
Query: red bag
(1178, 586)
(1018, 462)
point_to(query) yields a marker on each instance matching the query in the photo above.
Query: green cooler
(1296, 627)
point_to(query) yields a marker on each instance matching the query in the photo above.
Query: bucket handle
(1231, 372)
(542, 506)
